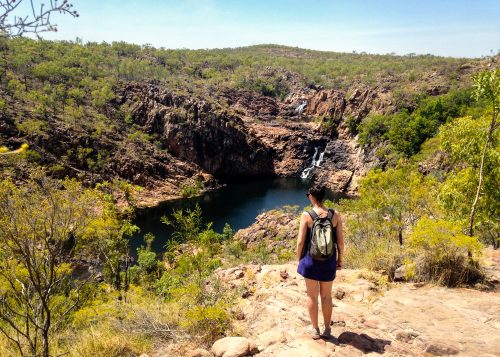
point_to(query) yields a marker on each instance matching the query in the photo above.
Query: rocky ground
(370, 317)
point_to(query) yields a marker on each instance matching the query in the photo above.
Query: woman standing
(319, 275)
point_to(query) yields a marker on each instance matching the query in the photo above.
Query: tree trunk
(474, 204)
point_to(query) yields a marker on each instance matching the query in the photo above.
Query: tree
(43, 224)
(13, 24)
(487, 86)
(462, 140)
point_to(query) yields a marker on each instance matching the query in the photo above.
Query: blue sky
(443, 27)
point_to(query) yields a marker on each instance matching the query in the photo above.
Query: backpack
(323, 236)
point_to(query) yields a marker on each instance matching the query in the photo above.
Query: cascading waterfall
(315, 163)
(300, 108)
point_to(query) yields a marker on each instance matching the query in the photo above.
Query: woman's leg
(312, 287)
(325, 288)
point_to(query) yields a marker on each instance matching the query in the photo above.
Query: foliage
(406, 131)
(376, 223)
(204, 311)
(42, 224)
(193, 189)
(186, 224)
(462, 140)
(441, 253)
(487, 86)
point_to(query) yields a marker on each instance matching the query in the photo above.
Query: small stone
(239, 274)
(437, 348)
(246, 293)
(283, 274)
(339, 294)
(406, 336)
(338, 323)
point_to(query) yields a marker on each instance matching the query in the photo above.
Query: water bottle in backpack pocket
(322, 245)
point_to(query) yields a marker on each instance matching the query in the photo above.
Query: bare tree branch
(13, 24)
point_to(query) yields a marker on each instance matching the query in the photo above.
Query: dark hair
(318, 192)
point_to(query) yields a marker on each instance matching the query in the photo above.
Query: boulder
(234, 347)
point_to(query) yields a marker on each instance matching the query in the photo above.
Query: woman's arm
(340, 242)
(301, 239)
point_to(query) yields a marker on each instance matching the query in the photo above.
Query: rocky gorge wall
(172, 137)
(241, 134)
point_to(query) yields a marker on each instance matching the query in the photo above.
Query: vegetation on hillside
(418, 212)
(71, 92)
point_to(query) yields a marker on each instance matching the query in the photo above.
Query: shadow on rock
(363, 342)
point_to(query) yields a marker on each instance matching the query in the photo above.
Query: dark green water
(237, 204)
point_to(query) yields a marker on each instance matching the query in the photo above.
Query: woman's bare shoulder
(336, 217)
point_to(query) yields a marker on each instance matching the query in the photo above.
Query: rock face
(245, 134)
(197, 132)
(277, 229)
(170, 138)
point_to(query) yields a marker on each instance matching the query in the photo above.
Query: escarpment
(240, 134)
(165, 135)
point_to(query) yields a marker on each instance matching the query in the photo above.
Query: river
(237, 204)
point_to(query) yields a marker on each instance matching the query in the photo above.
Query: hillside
(175, 122)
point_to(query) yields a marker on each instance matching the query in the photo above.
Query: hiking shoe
(327, 333)
(314, 333)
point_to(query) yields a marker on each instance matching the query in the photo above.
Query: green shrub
(204, 312)
(147, 260)
(441, 253)
(33, 127)
(192, 189)
(235, 249)
(372, 129)
(187, 224)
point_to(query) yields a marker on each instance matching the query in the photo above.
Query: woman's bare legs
(312, 287)
(325, 288)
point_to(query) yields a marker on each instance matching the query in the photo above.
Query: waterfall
(300, 108)
(315, 163)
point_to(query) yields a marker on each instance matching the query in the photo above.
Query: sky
(455, 28)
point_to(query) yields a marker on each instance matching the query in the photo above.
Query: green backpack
(323, 236)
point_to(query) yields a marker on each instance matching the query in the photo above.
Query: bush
(191, 190)
(372, 129)
(106, 342)
(187, 224)
(204, 311)
(441, 253)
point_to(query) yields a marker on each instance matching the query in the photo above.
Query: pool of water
(237, 204)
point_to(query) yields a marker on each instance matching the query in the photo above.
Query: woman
(319, 275)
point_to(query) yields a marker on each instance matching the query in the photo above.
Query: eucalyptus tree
(487, 86)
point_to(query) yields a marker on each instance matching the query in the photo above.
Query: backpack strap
(331, 212)
(313, 214)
